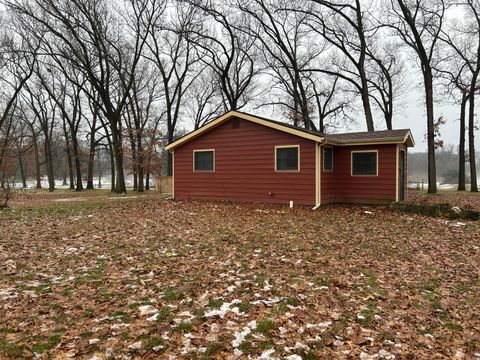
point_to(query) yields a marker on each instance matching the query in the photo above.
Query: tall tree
(228, 52)
(286, 47)
(172, 52)
(419, 25)
(342, 25)
(463, 37)
(103, 43)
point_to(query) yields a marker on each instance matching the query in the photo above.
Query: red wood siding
(341, 186)
(244, 166)
(405, 170)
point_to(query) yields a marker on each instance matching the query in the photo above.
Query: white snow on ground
(240, 335)
(224, 309)
(147, 310)
(266, 355)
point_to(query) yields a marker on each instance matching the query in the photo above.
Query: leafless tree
(342, 25)
(173, 53)
(419, 25)
(104, 44)
(287, 49)
(463, 39)
(228, 52)
(205, 100)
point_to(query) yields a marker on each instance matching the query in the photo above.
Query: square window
(364, 163)
(203, 160)
(287, 158)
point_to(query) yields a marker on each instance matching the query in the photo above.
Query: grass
(288, 268)
(264, 327)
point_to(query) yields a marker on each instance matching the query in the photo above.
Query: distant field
(92, 274)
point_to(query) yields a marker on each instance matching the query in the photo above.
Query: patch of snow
(224, 309)
(322, 326)
(135, 346)
(147, 310)
(119, 326)
(293, 357)
(154, 317)
(266, 355)
(240, 335)
(237, 352)
(267, 302)
(93, 341)
(214, 328)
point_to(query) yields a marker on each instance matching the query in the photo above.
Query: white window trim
(193, 160)
(362, 151)
(298, 158)
(323, 159)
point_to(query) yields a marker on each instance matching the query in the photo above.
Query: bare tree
(45, 111)
(463, 38)
(17, 63)
(104, 44)
(171, 50)
(228, 52)
(286, 47)
(332, 102)
(205, 101)
(342, 25)
(419, 25)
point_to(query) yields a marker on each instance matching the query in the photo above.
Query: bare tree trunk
(471, 142)
(432, 173)
(147, 181)
(78, 165)
(37, 161)
(91, 160)
(461, 145)
(120, 187)
(22, 171)
(91, 163)
(49, 164)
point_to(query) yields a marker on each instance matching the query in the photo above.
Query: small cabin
(242, 157)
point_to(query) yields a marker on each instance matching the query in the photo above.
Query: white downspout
(319, 176)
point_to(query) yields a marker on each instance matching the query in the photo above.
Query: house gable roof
(311, 135)
(357, 138)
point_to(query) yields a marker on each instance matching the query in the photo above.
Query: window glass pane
(364, 163)
(203, 160)
(287, 159)
(327, 159)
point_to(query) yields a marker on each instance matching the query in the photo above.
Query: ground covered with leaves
(146, 277)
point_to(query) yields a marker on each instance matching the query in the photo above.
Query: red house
(248, 158)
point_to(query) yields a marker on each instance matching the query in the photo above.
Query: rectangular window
(327, 159)
(287, 158)
(204, 160)
(364, 163)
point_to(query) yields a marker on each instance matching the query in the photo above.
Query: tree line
(91, 82)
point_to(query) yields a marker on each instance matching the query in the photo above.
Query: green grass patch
(172, 295)
(265, 326)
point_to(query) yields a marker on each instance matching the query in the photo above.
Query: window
(365, 163)
(204, 160)
(287, 158)
(327, 159)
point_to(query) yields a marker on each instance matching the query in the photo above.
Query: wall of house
(244, 166)
(340, 186)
